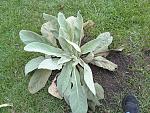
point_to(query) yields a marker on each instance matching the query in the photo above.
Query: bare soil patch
(114, 82)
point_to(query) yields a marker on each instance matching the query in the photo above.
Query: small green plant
(60, 43)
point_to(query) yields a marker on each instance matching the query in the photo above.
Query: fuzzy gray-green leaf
(49, 32)
(64, 25)
(38, 80)
(101, 50)
(79, 33)
(50, 64)
(63, 43)
(33, 64)
(52, 25)
(52, 19)
(62, 20)
(67, 93)
(88, 78)
(102, 40)
(29, 36)
(63, 79)
(76, 47)
(77, 98)
(43, 48)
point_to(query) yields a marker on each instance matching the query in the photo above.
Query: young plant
(60, 43)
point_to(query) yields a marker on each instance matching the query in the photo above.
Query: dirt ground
(114, 82)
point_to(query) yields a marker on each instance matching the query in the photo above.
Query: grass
(128, 21)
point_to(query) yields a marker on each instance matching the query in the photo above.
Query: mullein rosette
(60, 44)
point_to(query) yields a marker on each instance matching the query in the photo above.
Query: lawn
(127, 20)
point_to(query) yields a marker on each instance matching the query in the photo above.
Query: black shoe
(130, 104)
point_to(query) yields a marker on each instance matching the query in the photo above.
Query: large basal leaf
(63, 79)
(104, 63)
(67, 93)
(50, 64)
(72, 21)
(66, 32)
(102, 40)
(38, 80)
(33, 64)
(77, 98)
(52, 24)
(106, 39)
(29, 36)
(101, 50)
(62, 20)
(50, 33)
(44, 48)
(53, 89)
(76, 25)
(88, 78)
(64, 25)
